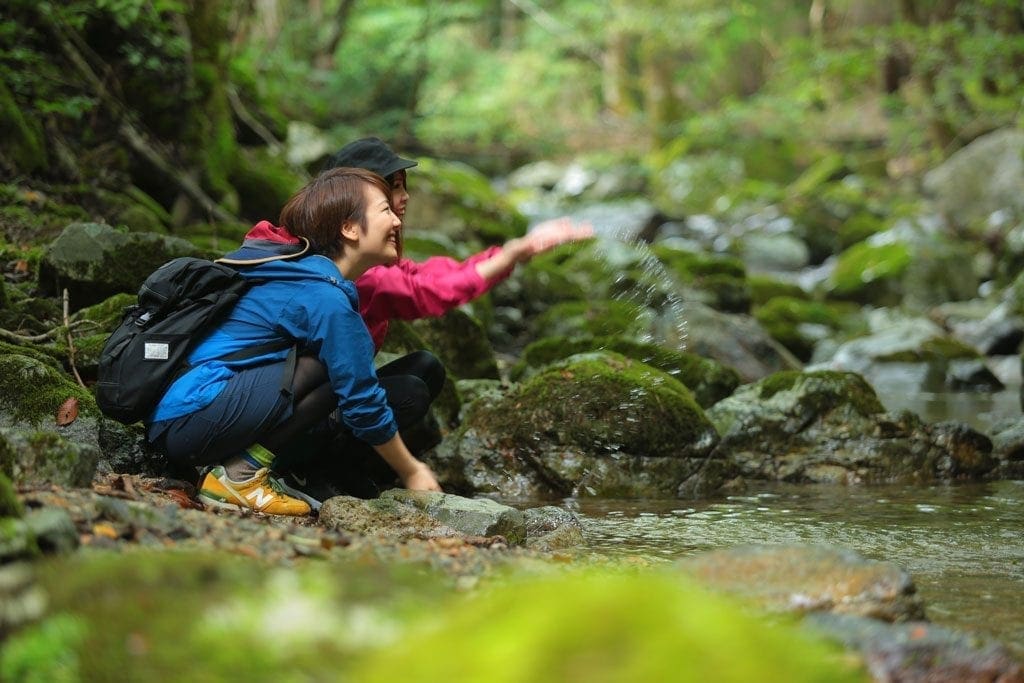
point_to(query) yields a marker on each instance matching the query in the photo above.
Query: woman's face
(399, 195)
(382, 225)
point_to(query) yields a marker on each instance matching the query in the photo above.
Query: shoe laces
(275, 483)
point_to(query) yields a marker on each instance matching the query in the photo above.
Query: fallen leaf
(21, 266)
(183, 499)
(67, 412)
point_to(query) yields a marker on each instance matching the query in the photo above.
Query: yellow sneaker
(262, 493)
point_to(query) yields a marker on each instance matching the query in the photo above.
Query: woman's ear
(350, 230)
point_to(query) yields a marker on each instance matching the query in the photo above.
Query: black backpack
(178, 304)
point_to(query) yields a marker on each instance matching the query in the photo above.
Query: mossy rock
(588, 401)
(457, 199)
(791, 320)
(264, 183)
(95, 261)
(808, 395)
(461, 343)
(936, 349)
(10, 506)
(870, 274)
(594, 319)
(764, 288)
(596, 424)
(31, 390)
(708, 380)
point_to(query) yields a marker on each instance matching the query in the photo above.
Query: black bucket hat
(371, 154)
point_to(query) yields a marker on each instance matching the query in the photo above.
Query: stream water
(962, 543)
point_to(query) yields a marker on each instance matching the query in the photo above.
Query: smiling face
(399, 193)
(379, 242)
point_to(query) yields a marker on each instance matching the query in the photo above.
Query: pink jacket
(407, 290)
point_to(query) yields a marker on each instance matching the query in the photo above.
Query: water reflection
(962, 543)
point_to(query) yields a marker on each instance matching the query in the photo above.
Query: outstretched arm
(545, 236)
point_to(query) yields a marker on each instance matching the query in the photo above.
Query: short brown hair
(327, 202)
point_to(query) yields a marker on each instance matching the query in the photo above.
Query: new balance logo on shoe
(260, 498)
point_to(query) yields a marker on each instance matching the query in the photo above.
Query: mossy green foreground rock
(171, 616)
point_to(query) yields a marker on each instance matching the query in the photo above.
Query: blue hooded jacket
(305, 299)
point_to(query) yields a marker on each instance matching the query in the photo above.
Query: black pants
(293, 424)
(330, 454)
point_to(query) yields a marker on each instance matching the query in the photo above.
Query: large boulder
(709, 380)
(830, 427)
(980, 179)
(94, 261)
(595, 424)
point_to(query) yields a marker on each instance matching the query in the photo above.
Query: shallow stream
(962, 543)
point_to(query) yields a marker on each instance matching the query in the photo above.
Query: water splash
(656, 290)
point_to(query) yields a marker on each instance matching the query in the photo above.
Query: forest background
(185, 111)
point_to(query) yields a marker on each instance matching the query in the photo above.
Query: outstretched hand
(550, 234)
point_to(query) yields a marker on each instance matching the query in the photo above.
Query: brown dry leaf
(67, 412)
(21, 266)
(183, 499)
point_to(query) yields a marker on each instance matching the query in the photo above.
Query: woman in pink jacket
(409, 290)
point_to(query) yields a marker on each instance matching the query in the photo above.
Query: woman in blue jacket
(237, 414)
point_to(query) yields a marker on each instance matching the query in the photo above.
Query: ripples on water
(963, 544)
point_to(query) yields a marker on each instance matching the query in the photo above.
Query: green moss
(602, 400)
(764, 288)
(107, 314)
(708, 380)
(10, 506)
(824, 388)
(47, 355)
(866, 273)
(783, 316)
(605, 627)
(32, 391)
(934, 349)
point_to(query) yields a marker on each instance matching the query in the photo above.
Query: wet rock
(472, 516)
(379, 519)
(552, 528)
(809, 579)
(1008, 448)
(919, 651)
(916, 347)
(829, 427)
(596, 424)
